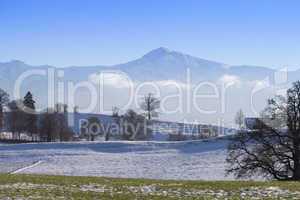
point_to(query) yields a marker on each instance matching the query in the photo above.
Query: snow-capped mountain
(159, 65)
(164, 64)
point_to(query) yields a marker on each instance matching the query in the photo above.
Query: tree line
(24, 123)
(19, 117)
(131, 125)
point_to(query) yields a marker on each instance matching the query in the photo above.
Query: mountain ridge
(158, 64)
(160, 51)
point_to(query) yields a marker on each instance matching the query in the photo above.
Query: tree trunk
(296, 175)
(1, 117)
(107, 136)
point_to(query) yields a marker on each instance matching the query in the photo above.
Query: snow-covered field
(193, 160)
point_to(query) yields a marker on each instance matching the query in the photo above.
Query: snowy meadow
(193, 160)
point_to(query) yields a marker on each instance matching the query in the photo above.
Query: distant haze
(190, 88)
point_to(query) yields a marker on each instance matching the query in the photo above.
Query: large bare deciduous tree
(272, 147)
(150, 105)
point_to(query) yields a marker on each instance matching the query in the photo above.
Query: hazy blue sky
(74, 32)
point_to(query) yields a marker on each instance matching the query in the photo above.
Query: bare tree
(150, 105)
(272, 148)
(115, 112)
(4, 99)
(94, 128)
(16, 118)
(54, 125)
(134, 126)
(47, 126)
(75, 109)
(239, 119)
(61, 117)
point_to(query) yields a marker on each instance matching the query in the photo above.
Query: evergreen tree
(30, 115)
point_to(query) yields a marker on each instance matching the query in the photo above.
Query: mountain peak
(167, 56)
(13, 63)
(161, 51)
(17, 62)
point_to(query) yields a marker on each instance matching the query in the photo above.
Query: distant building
(253, 123)
(78, 120)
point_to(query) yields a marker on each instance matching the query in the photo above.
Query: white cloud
(111, 78)
(171, 83)
(229, 79)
